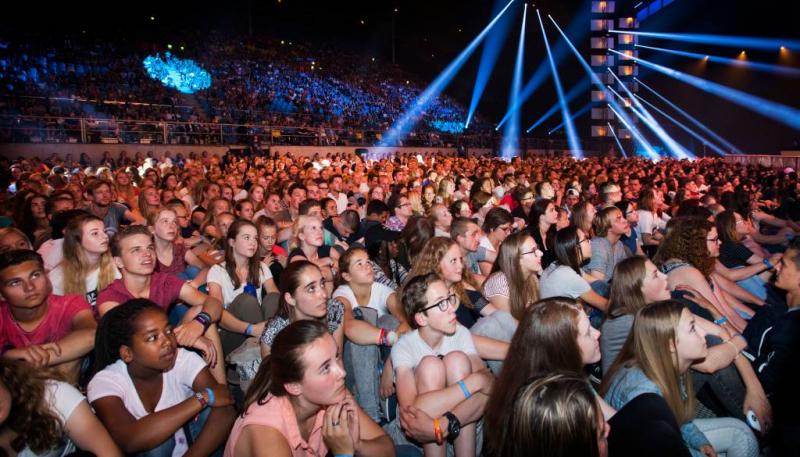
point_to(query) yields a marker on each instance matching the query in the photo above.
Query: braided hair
(116, 328)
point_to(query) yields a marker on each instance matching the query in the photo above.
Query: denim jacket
(631, 382)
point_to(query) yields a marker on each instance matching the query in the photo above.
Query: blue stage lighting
(675, 148)
(691, 132)
(611, 101)
(651, 153)
(572, 137)
(181, 74)
(695, 121)
(491, 51)
(585, 109)
(579, 88)
(616, 138)
(775, 69)
(739, 42)
(408, 120)
(577, 29)
(773, 110)
(510, 142)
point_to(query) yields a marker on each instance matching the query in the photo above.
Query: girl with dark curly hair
(47, 416)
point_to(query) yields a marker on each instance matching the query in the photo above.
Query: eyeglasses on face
(450, 301)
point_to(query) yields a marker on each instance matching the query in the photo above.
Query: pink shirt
(55, 325)
(279, 414)
(165, 288)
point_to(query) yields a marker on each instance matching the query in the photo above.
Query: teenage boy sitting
(36, 326)
(133, 250)
(437, 367)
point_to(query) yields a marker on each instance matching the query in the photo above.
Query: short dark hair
(377, 207)
(305, 206)
(18, 256)
(124, 232)
(414, 295)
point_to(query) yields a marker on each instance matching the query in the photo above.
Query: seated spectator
(173, 254)
(632, 239)
(583, 214)
(608, 250)
(112, 213)
(270, 253)
(652, 220)
(36, 326)
(302, 387)
(12, 238)
(401, 210)
(308, 243)
(497, 225)
(442, 219)
(149, 393)
(542, 226)
(42, 416)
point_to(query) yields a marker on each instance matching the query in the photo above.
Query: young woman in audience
(244, 210)
(632, 239)
(497, 225)
(564, 277)
(149, 200)
(298, 402)
(274, 256)
(664, 342)
(542, 226)
(308, 243)
(33, 220)
(13, 238)
(174, 256)
(257, 197)
(209, 226)
(148, 391)
(87, 267)
(43, 416)
(238, 283)
(125, 189)
(687, 255)
(583, 214)
(652, 221)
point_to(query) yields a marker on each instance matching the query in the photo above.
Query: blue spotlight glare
(686, 129)
(611, 101)
(775, 69)
(773, 110)
(408, 120)
(695, 121)
(491, 51)
(572, 137)
(651, 153)
(585, 109)
(511, 133)
(616, 138)
(181, 74)
(577, 29)
(675, 148)
(579, 88)
(740, 42)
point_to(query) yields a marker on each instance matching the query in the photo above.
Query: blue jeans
(191, 431)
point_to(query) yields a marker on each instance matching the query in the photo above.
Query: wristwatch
(453, 426)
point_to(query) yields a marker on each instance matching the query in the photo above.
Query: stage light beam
(585, 109)
(775, 69)
(574, 92)
(719, 40)
(683, 126)
(510, 142)
(616, 138)
(636, 134)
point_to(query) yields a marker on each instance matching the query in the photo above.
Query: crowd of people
(263, 84)
(312, 306)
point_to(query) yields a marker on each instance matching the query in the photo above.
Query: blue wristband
(769, 264)
(249, 330)
(211, 399)
(464, 389)
(721, 320)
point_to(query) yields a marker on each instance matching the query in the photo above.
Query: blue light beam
(773, 110)
(616, 138)
(683, 126)
(574, 92)
(511, 132)
(740, 42)
(731, 147)
(572, 137)
(585, 109)
(409, 119)
(769, 68)
(635, 133)
(491, 51)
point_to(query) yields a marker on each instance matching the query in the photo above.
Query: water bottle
(251, 289)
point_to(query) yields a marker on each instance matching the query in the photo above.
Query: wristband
(201, 399)
(343, 455)
(721, 320)
(464, 389)
(437, 431)
(249, 330)
(204, 319)
(211, 399)
(381, 336)
(736, 350)
(769, 264)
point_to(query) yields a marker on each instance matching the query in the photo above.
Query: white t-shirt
(649, 222)
(219, 276)
(485, 243)
(114, 381)
(52, 252)
(562, 281)
(341, 201)
(411, 348)
(56, 276)
(377, 298)
(63, 400)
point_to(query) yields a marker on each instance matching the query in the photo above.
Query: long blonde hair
(647, 347)
(298, 228)
(78, 269)
(428, 262)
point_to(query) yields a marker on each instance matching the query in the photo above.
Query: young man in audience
(112, 213)
(607, 248)
(36, 326)
(467, 234)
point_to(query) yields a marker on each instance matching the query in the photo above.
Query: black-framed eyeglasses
(713, 240)
(450, 301)
(536, 251)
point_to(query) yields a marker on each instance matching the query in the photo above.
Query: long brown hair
(75, 264)
(31, 416)
(686, 240)
(726, 227)
(626, 295)
(647, 348)
(545, 341)
(522, 290)
(253, 263)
